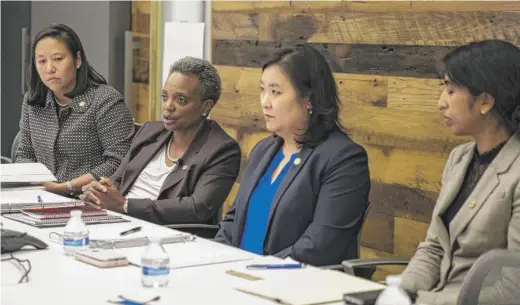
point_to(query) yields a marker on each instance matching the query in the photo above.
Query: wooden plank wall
(386, 60)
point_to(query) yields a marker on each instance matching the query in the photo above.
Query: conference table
(58, 279)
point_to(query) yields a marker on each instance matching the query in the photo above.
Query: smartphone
(362, 298)
(101, 258)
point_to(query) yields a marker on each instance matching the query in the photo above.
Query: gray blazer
(490, 219)
(196, 189)
(317, 212)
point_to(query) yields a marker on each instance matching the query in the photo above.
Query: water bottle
(75, 234)
(155, 265)
(393, 293)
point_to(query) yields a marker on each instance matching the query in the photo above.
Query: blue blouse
(260, 205)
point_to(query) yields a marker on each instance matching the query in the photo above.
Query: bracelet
(125, 207)
(70, 190)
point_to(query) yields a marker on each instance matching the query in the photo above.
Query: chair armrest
(201, 230)
(350, 265)
(6, 160)
(192, 226)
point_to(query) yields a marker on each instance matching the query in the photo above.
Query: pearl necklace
(175, 161)
(61, 105)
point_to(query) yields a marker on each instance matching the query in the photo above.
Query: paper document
(307, 286)
(181, 39)
(24, 173)
(192, 254)
(15, 200)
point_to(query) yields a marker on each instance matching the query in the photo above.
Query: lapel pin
(184, 167)
(471, 203)
(297, 161)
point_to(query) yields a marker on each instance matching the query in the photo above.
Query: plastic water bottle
(155, 265)
(393, 294)
(75, 234)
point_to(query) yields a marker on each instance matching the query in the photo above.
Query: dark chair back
(14, 146)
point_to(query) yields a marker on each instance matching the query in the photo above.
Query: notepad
(12, 201)
(62, 212)
(307, 286)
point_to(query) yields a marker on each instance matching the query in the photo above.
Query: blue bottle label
(155, 271)
(75, 242)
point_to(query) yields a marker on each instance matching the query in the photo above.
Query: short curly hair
(209, 80)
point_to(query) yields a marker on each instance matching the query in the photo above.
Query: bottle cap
(76, 213)
(393, 280)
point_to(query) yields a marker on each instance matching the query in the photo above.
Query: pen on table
(132, 230)
(275, 266)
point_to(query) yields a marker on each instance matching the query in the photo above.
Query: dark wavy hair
(311, 76)
(85, 75)
(493, 67)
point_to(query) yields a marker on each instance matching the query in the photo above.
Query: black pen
(133, 230)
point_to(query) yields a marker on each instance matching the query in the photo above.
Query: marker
(275, 266)
(133, 230)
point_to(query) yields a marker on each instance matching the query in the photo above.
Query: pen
(132, 230)
(275, 266)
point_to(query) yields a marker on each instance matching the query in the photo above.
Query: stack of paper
(24, 174)
(13, 200)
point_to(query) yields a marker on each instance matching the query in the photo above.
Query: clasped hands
(103, 194)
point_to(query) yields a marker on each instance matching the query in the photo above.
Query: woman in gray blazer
(478, 208)
(72, 121)
(181, 169)
(305, 190)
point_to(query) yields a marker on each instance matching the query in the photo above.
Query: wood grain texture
(402, 201)
(407, 235)
(396, 60)
(446, 28)
(414, 94)
(365, 6)
(378, 231)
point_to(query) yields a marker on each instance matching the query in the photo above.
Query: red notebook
(61, 212)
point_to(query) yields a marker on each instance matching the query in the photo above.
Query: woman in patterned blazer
(72, 121)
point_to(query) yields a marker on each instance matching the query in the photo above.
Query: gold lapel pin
(297, 161)
(471, 203)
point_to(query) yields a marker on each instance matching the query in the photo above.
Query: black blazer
(196, 189)
(318, 210)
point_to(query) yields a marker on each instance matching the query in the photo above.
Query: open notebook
(307, 286)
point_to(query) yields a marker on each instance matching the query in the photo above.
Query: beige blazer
(489, 219)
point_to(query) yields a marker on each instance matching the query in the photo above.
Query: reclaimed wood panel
(407, 235)
(396, 60)
(399, 28)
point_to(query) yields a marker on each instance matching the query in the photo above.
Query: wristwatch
(125, 207)
(70, 190)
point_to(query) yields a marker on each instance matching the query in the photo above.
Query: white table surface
(58, 279)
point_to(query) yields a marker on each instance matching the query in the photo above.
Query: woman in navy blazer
(305, 190)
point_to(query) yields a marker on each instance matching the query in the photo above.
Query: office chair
(493, 260)
(208, 231)
(14, 146)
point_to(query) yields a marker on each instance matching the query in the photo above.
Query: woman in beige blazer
(478, 208)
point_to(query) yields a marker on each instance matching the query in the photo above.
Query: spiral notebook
(62, 212)
(61, 222)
